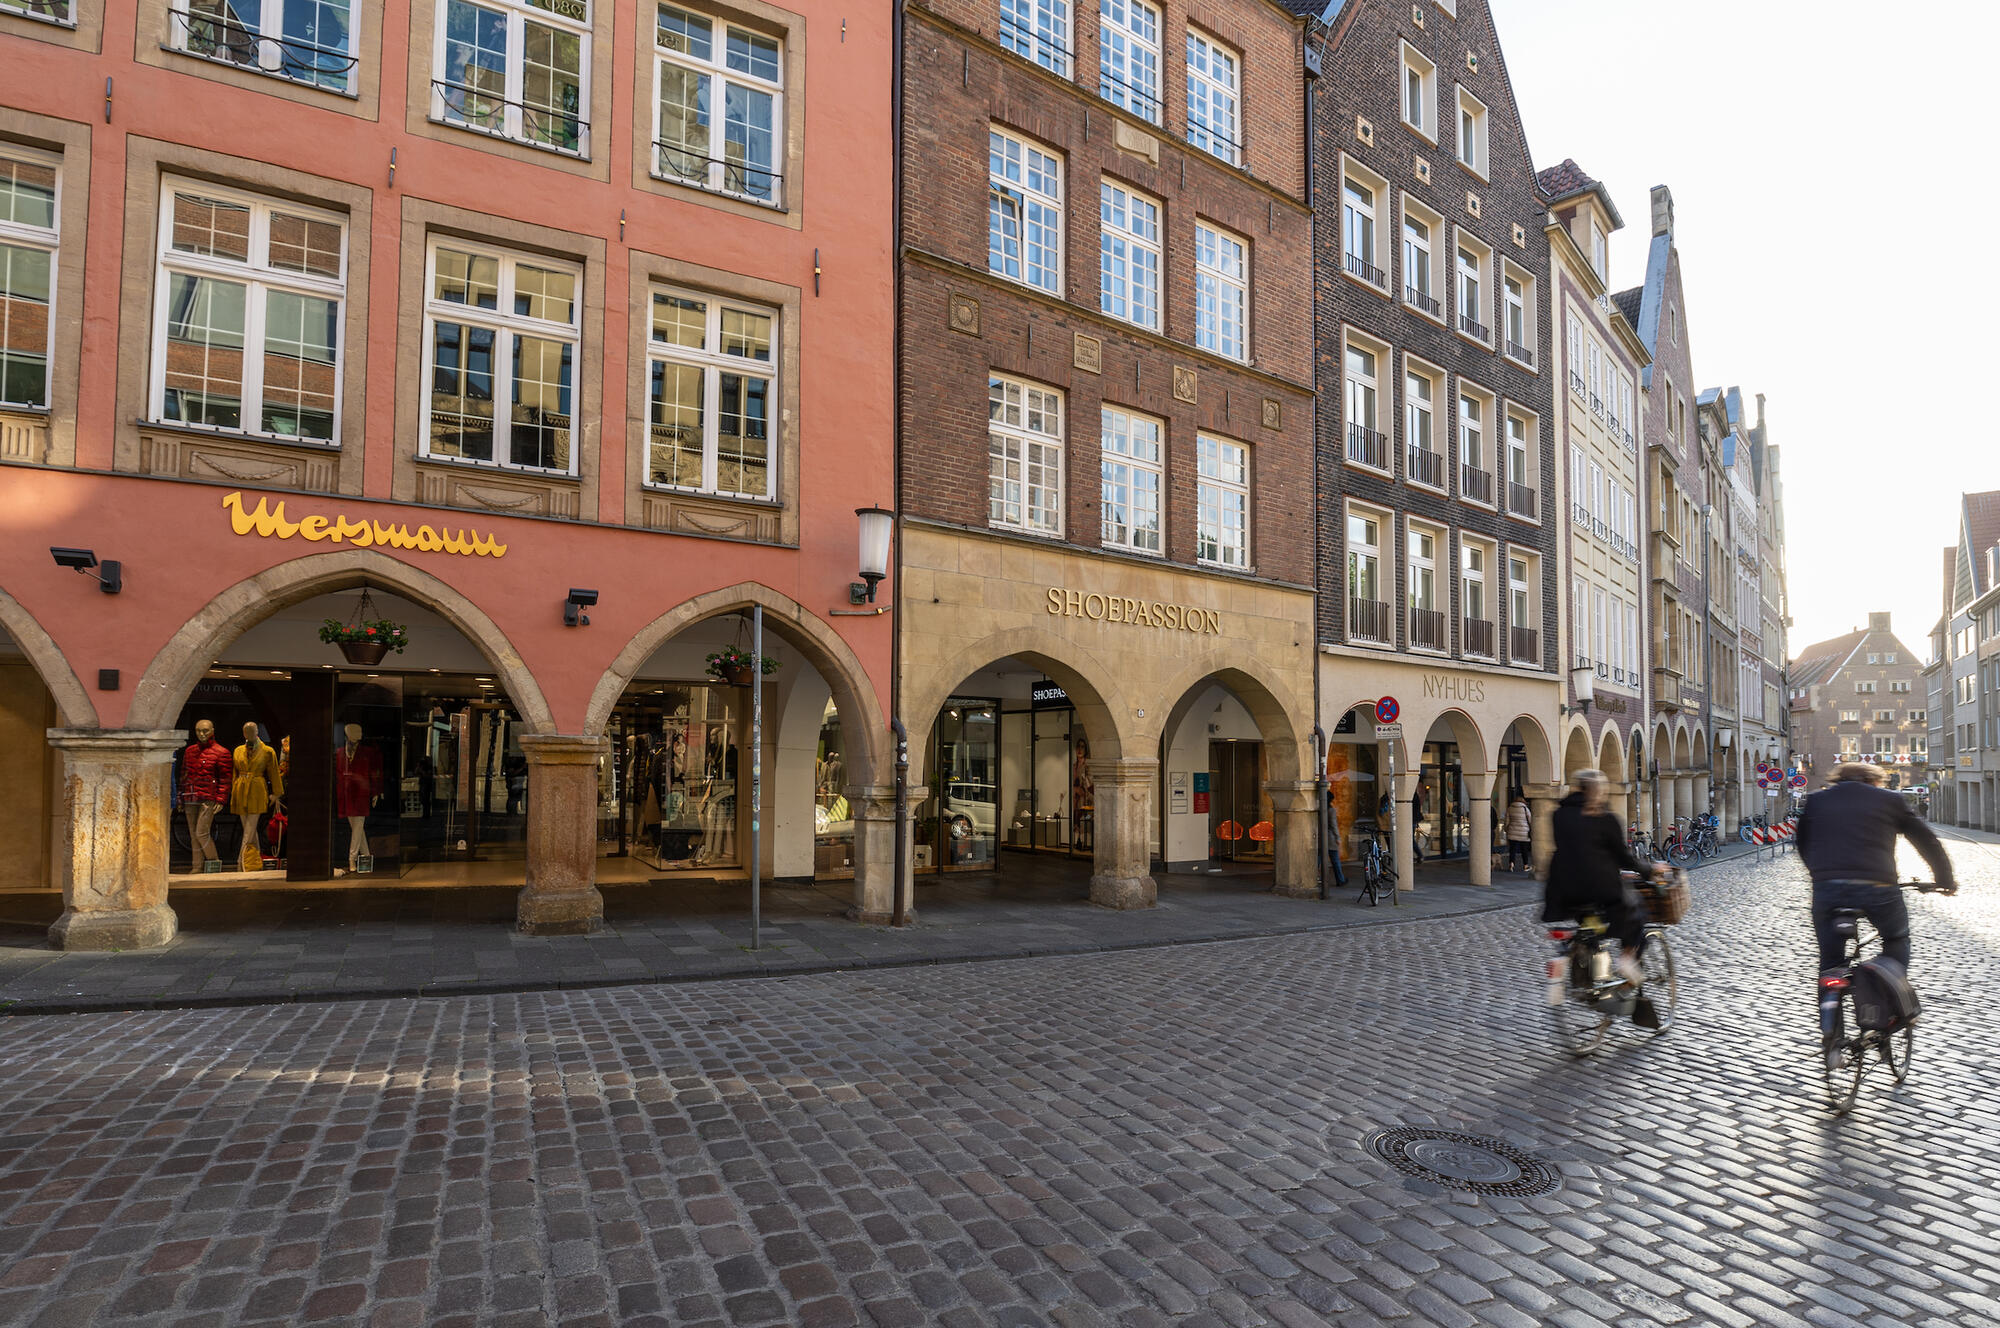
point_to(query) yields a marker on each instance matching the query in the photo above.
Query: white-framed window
(1850, 716)
(1129, 254)
(712, 385)
(247, 314)
(1600, 251)
(1475, 460)
(1519, 470)
(1596, 375)
(1423, 450)
(1472, 133)
(1475, 262)
(1579, 620)
(1885, 716)
(1885, 744)
(1920, 745)
(1419, 92)
(1361, 370)
(704, 64)
(1361, 197)
(1423, 258)
(1221, 292)
(1518, 327)
(517, 69)
(1222, 501)
(1212, 79)
(1874, 657)
(1632, 643)
(1575, 343)
(1919, 716)
(1421, 590)
(1888, 657)
(1850, 745)
(1579, 490)
(30, 222)
(306, 41)
(1625, 405)
(1128, 57)
(1475, 564)
(1901, 685)
(1024, 212)
(1598, 645)
(1024, 445)
(54, 11)
(1521, 615)
(500, 328)
(1038, 30)
(1133, 479)
(1867, 687)
(1368, 580)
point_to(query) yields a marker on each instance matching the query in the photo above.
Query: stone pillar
(873, 808)
(1542, 800)
(1295, 845)
(1124, 797)
(1479, 809)
(1405, 847)
(1701, 792)
(117, 800)
(560, 897)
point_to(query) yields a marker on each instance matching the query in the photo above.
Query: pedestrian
(1417, 825)
(1519, 829)
(1330, 828)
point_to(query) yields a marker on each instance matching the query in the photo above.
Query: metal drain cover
(1465, 1162)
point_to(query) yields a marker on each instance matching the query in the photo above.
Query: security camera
(574, 606)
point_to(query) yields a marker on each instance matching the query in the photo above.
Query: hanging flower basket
(364, 638)
(738, 667)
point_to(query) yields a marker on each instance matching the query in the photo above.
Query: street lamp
(1582, 682)
(876, 523)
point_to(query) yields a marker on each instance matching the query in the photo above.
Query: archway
(1577, 754)
(1451, 776)
(1611, 754)
(74, 708)
(38, 691)
(1358, 773)
(1526, 760)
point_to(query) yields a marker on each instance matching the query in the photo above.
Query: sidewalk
(265, 946)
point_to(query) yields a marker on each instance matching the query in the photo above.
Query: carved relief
(1184, 384)
(239, 461)
(1089, 354)
(1520, 236)
(507, 495)
(1274, 413)
(23, 438)
(1472, 202)
(965, 315)
(1423, 169)
(691, 514)
(1137, 142)
(1364, 131)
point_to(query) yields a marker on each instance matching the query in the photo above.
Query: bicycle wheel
(1897, 1048)
(1662, 987)
(1843, 1072)
(1747, 833)
(1580, 1023)
(1680, 850)
(1371, 879)
(1709, 845)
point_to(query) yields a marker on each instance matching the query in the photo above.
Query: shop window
(246, 333)
(1222, 502)
(711, 375)
(1132, 480)
(305, 41)
(704, 66)
(28, 224)
(1024, 438)
(678, 758)
(516, 69)
(833, 816)
(500, 328)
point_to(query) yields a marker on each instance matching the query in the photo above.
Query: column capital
(147, 744)
(1124, 770)
(563, 748)
(1293, 795)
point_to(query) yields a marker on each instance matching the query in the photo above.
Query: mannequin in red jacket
(357, 787)
(206, 772)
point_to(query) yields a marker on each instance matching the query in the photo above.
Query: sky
(1804, 144)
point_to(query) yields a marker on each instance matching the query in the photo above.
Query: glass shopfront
(833, 819)
(1354, 783)
(669, 795)
(1006, 776)
(1240, 823)
(1441, 815)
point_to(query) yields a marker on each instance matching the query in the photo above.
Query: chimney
(1760, 410)
(1878, 622)
(1663, 210)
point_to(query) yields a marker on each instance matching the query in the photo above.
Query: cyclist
(1584, 875)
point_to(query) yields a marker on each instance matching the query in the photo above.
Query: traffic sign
(1798, 781)
(1386, 710)
(1384, 732)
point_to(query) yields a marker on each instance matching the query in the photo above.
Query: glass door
(1443, 821)
(1240, 825)
(960, 820)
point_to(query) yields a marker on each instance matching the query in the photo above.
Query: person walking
(1520, 828)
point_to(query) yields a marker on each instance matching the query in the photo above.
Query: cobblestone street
(1168, 1136)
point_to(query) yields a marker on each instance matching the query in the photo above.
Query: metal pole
(899, 909)
(756, 775)
(1319, 755)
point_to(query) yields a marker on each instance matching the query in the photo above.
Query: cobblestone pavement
(1170, 1136)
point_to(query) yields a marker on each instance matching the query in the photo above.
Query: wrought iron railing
(1576, 382)
(1524, 645)
(1362, 268)
(1367, 447)
(1427, 628)
(1016, 35)
(1424, 466)
(1473, 328)
(1479, 637)
(1579, 515)
(1412, 295)
(1213, 141)
(1516, 351)
(673, 162)
(1368, 619)
(1596, 405)
(1125, 93)
(1475, 484)
(1520, 500)
(213, 37)
(517, 121)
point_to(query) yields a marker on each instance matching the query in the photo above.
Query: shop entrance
(1442, 822)
(671, 788)
(1240, 828)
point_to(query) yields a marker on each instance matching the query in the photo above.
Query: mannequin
(257, 787)
(357, 787)
(205, 776)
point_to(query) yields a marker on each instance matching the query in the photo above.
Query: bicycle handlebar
(1928, 887)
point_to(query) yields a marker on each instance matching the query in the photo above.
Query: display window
(833, 818)
(1354, 786)
(670, 797)
(1241, 827)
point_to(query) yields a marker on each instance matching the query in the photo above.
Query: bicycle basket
(1667, 904)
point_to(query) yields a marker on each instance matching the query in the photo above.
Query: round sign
(1386, 710)
(1763, 767)
(1798, 781)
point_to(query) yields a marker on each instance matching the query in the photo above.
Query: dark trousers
(1884, 907)
(1518, 856)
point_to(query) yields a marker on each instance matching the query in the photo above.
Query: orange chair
(1229, 832)
(1263, 832)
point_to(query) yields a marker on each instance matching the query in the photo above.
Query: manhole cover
(1465, 1162)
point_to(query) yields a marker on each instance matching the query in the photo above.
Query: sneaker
(1628, 968)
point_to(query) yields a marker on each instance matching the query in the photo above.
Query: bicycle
(1677, 845)
(1707, 835)
(1747, 832)
(1585, 993)
(1640, 841)
(1845, 1055)
(1378, 871)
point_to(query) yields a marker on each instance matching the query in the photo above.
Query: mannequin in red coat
(357, 787)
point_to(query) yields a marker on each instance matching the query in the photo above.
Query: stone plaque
(1137, 142)
(1274, 413)
(1520, 236)
(965, 315)
(1364, 131)
(1089, 354)
(1184, 383)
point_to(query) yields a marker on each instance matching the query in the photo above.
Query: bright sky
(1772, 122)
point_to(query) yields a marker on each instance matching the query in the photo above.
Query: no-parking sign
(1386, 710)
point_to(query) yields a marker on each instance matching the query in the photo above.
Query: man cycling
(1847, 839)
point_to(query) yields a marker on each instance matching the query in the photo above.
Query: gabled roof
(1981, 530)
(1816, 663)
(1628, 304)
(1567, 180)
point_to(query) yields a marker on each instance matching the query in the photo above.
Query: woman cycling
(1590, 852)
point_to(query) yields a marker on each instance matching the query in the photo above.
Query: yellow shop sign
(270, 522)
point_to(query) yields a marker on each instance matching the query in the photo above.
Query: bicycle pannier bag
(1884, 1000)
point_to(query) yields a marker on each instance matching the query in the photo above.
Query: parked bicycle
(1747, 832)
(1866, 1012)
(1706, 835)
(1585, 992)
(1640, 841)
(1378, 867)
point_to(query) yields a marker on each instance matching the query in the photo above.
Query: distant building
(1964, 679)
(1859, 697)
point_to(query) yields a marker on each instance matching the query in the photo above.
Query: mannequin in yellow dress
(257, 787)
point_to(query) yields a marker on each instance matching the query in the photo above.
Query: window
(1885, 744)
(1599, 648)
(1419, 92)
(1221, 292)
(1024, 433)
(1674, 324)
(1474, 559)
(1579, 619)
(1625, 407)
(1131, 480)
(492, 316)
(711, 369)
(1850, 745)
(515, 68)
(1520, 613)
(1850, 716)
(1472, 133)
(1900, 686)
(1472, 290)
(1359, 193)
(1024, 212)
(1874, 657)
(1423, 244)
(246, 334)
(1365, 443)
(1129, 255)
(1866, 686)
(1918, 716)
(57, 10)
(1885, 716)
(28, 224)
(1579, 494)
(1575, 356)
(1475, 467)
(1422, 463)
(1222, 502)
(1128, 56)
(691, 79)
(1889, 657)
(1520, 487)
(1211, 98)
(1426, 621)
(306, 41)
(1367, 611)
(1517, 325)
(1596, 375)
(1037, 30)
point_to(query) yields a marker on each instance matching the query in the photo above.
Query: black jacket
(1847, 832)
(1590, 852)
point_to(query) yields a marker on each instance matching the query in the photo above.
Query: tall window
(711, 367)
(1471, 294)
(500, 328)
(1476, 478)
(1358, 228)
(1024, 442)
(1211, 98)
(1519, 615)
(1600, 252)
(1131, 480)
(28, 234)
(246, 334)
(515, 68)
(1517, 451)
(1478, 619)
(1222, 502)
(1471, 132)
(1037, 30)
(1579, 620)
(1365, 443)
(1575, 356)
(1365, 583)
(698, 70)
(307, 41)
(1221, 292)
(1128, 56)
(1129, 255)
(1517, 319)
(1419, 92)
(1417, 238)
(1024, 212)
(1597, 635)
(1421, 464)
(1422, 570)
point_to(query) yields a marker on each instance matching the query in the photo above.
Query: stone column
(1479, 804)
(117, 798)
(873, 809)
(1542, 800)
(1295, 845)
(1124, 798)
(1405, 846)
(560, 897)
(1700, 792)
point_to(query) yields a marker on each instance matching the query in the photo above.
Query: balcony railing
(1131, 96)
(1425, 466)
(537, 126)
(1611, 423)
(1360, 267)
(1367, 447)
(1524, 645)
(1368, 619)
(1473, 328)
(1023, 40)
(1422, 301)
(1479, 637)
(1597, 405)
(1216, 143)
(1475, 484)
(1576, 382)
(1631, 443)
(1427, 628)
(1579, 515)
(673, 162)
(214, 37)
(1520, 500)
(1516, 351)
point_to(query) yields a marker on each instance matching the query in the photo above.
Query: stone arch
(180, 663)
(1663, 746)
(1611, 754)
(74, 707)
(1100, 704)
(1464, 731)
(1367, 704)
(1535, 746)
(853, 693)
(1270, 703)
(1700, 750)
(1577, 751)
(1683, 747)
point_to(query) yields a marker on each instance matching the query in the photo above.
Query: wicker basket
(1667, 904)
